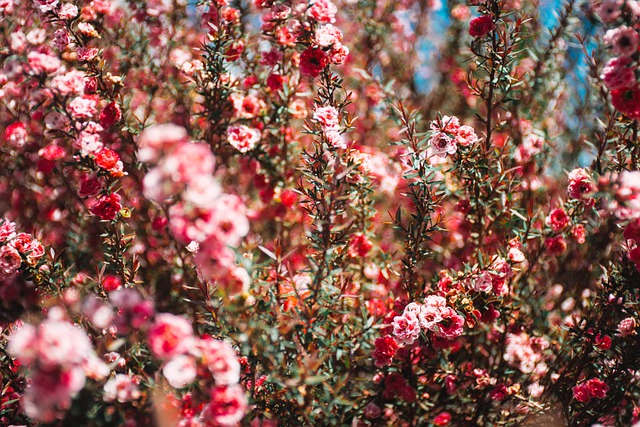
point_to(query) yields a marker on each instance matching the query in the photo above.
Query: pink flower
(10, 261)
(466, 136)
(359, 245)
(558, 220)
(323, 11)
(228, 405)
(170, 335)
(16, 134)
(441, 144)
(328, 117)
(627, 327)
(45, 5)
(580, 184)
(121, 388)
(157, 139)
(555, 245)
(243, 138)
(221, 360)
(591, 389)
(623, 39)
(406, 328)
(328, 35)
(41, 63)
(451, 325)
(82, 108)
(609, 10)
(618, 74)
(180, 371)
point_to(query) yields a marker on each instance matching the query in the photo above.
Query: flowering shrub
(323, 212)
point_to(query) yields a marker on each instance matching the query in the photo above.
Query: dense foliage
(323, 212)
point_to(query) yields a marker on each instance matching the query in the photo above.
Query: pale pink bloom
(180, 371)
(99, 314)
(323, 11)
(89, 142)
(483, 283)
(335, 138)
(515, 255)
(466, 136)
(229, 217)
(50, 392)
(243, 138)
(627, 327)
(634, 6)
(624, 40)
(41, 63)
(7, 230)
(448, 124)
(10, 261)
(170, 335)
(121, 388)
(37, 36)
(22, 344)
(60, 343)
(618, 74)
(134, 312)
(71, 83)
(46, 5)
(406, 328)
(441, 144)
(328, 117)
(220, 359)
(609, 10)
(338, 54)
(68, 11)
(203, 191)
(95, 368)
(328, 35)
(155, 140)
(86, 54)
(228, 405)
(87, 30)
(235, 281)
(18, 41)
(82, 108)
(6, 6)
(246, 107)
(429, 316)
(525, 353)
(188, 161)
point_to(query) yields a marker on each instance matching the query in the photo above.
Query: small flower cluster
(200, 212)
(448, 134)
(60, 357)
(434, 317)
(187, 357)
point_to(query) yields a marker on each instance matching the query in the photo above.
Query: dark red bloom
(627, 101)
(386, 348)
(442, 419)
(107, 207)
(110, 115)
(313, 61)
(481, 26)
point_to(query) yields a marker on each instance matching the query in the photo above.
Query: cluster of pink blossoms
(213, 362)
(329, 119)
(448, 134)
(200, 215)
(16, 249)
(433, 317)
(60, 357)
(619, 74)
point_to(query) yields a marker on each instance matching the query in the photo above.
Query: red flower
(107, 207)
(107, 158)
(555, 245)
(359, 245)
(481, 26)
(627, 101)
(442, 419)
(386, 348)
(110, 115)
(111, 283)
(313, 61)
